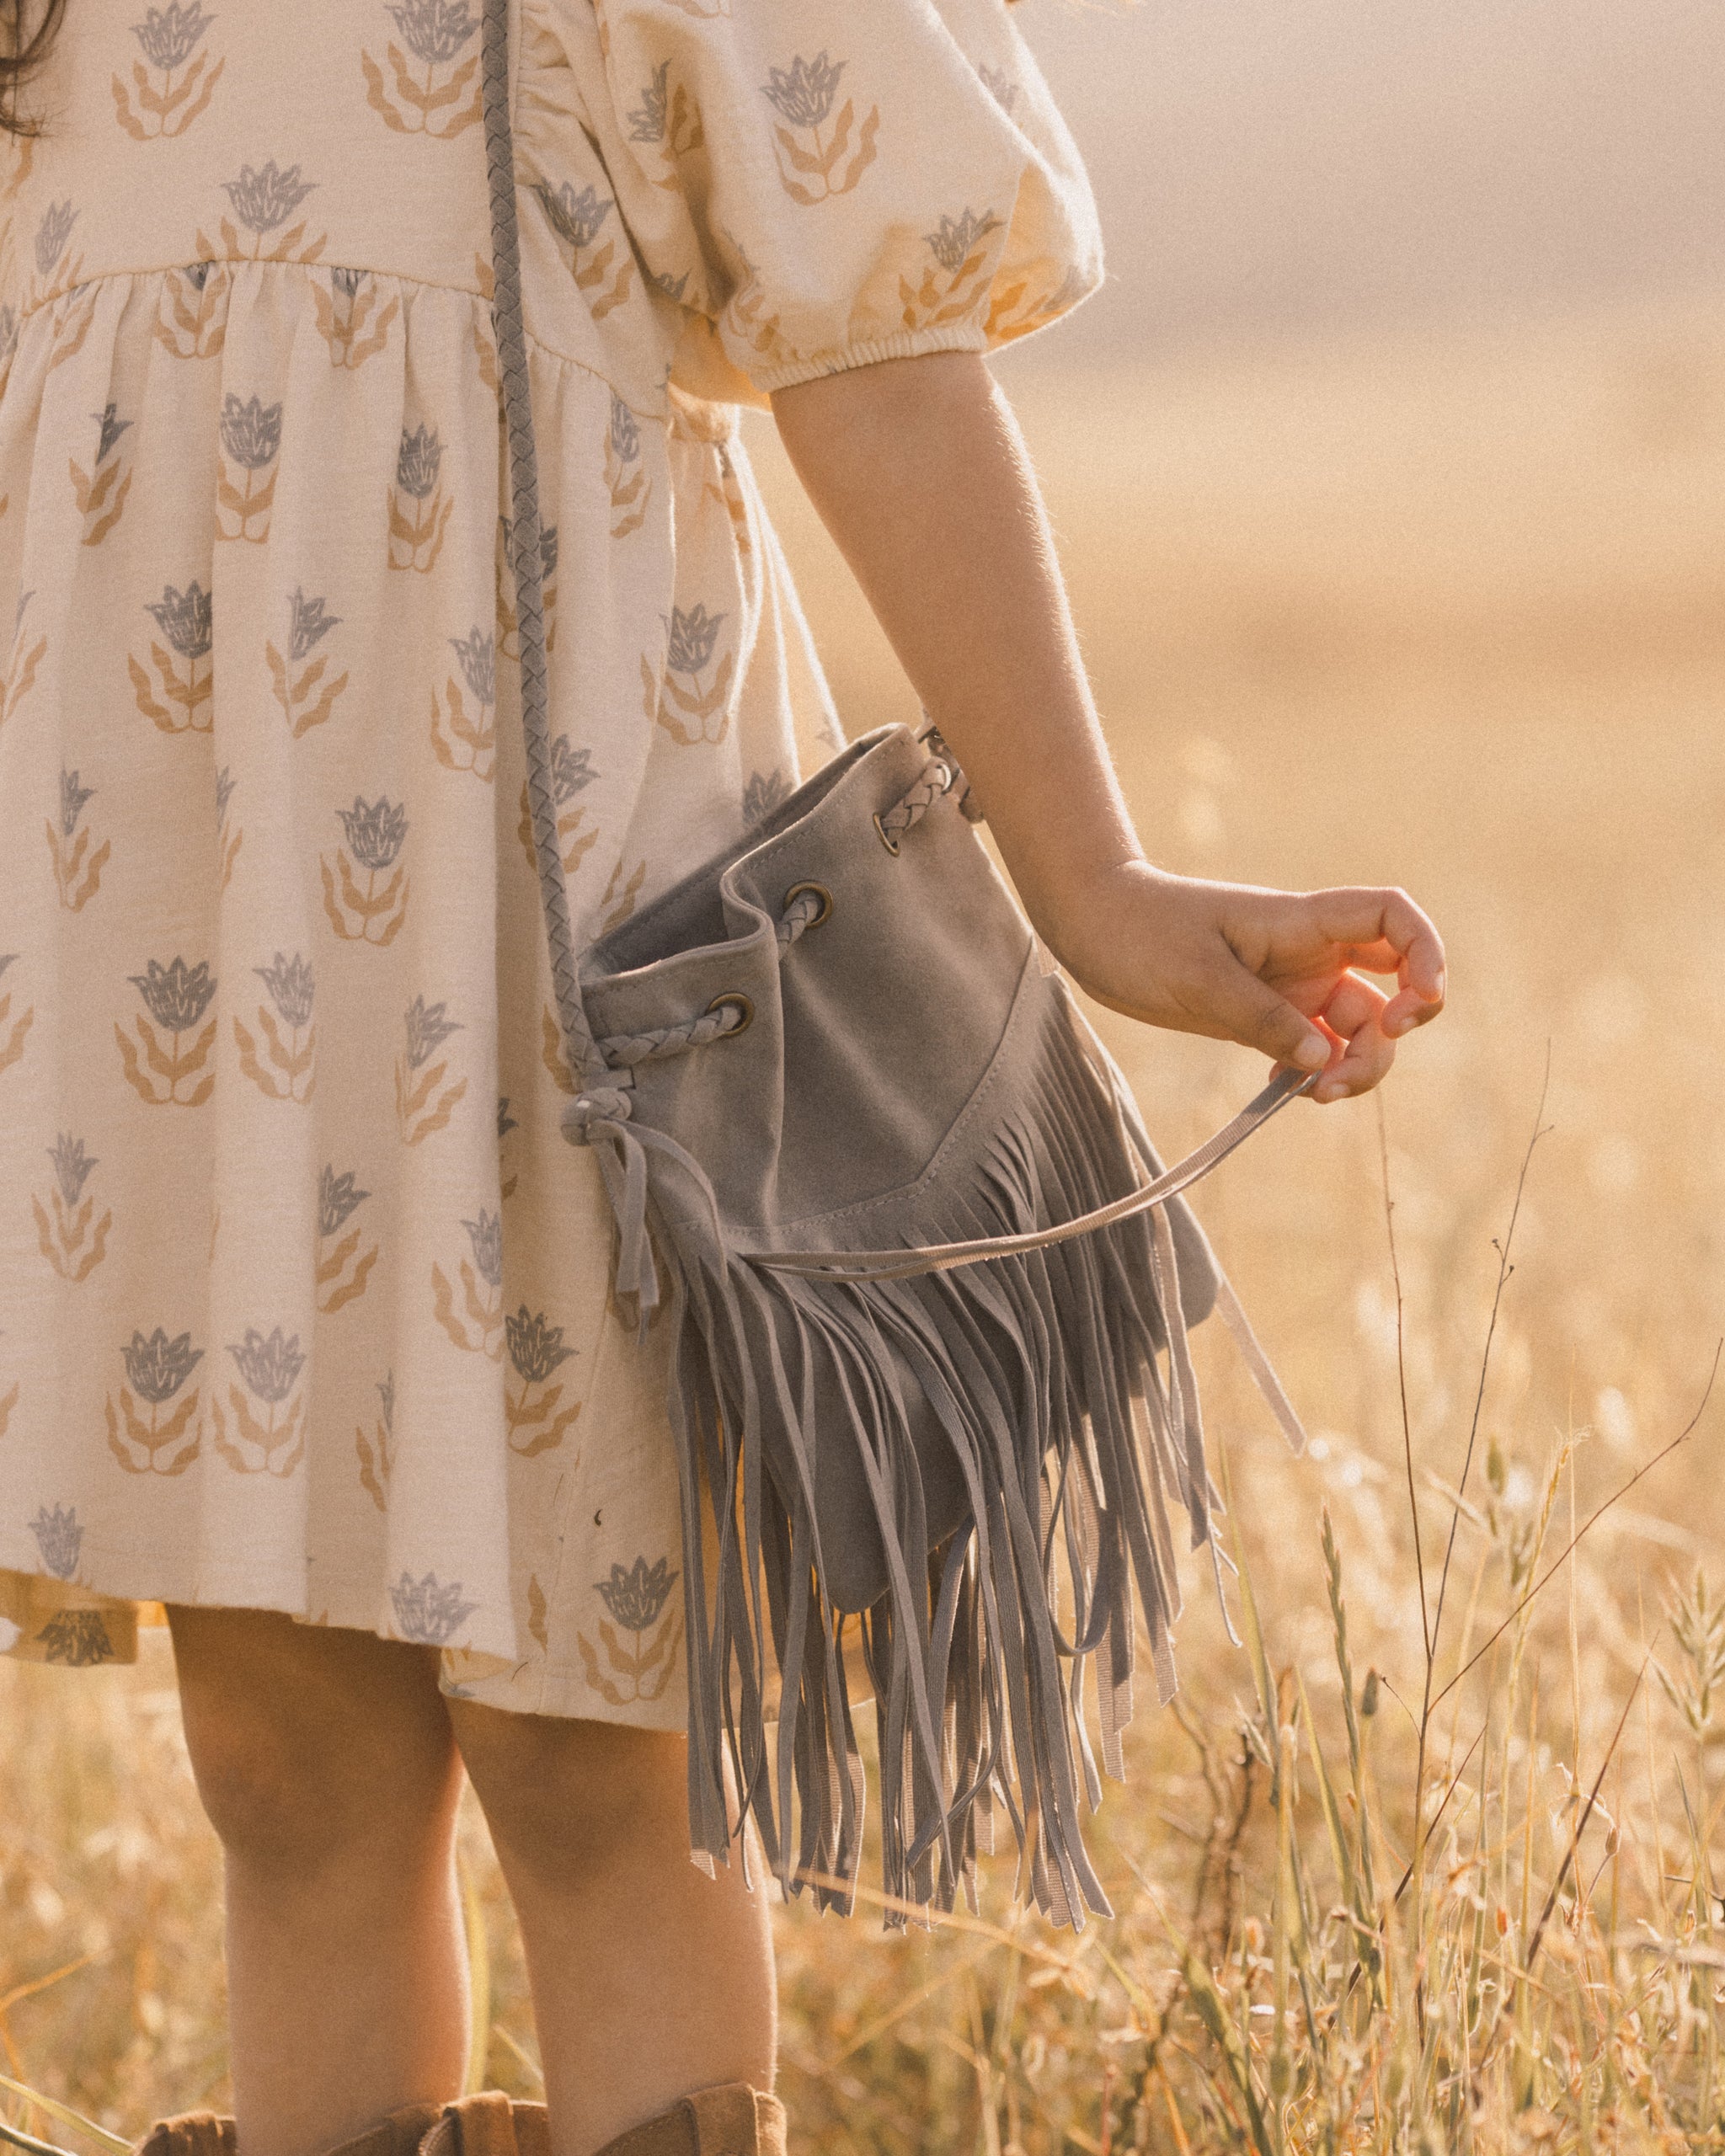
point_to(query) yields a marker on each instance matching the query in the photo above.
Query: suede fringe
(1063, 1382)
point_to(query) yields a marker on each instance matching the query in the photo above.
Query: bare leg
(649, 1979)
(326, 1762)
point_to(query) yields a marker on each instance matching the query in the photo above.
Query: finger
(1388, 925)
(1352, 1003)
(1409, 1008)
(1246, 1010)
(1355, 1013)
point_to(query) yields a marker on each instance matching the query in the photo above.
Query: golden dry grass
(1451, 614)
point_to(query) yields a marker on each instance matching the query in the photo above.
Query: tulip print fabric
(304, 1299)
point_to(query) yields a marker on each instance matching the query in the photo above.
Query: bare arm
(917, 468)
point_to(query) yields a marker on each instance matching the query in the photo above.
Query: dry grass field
(1452, 614)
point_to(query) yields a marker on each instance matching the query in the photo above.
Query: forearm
(917, 469)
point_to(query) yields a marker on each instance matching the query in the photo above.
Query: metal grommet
(890, 844)
(735, 1001)
(821, 892)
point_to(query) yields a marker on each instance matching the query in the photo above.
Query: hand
(1279, 971)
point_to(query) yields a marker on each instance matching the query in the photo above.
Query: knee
(294, 1766)
(564, 1797)
(265, 1795)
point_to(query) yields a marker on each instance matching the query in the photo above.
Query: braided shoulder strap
(526, 544)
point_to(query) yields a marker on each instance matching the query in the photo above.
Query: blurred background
(1388, 471)
(1269, 168)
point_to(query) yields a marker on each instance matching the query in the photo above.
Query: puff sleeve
(822, 185)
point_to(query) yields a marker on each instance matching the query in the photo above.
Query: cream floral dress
(303, 1298)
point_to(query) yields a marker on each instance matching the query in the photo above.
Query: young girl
(305, 1329)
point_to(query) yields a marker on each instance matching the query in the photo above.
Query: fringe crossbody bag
(835, 1042)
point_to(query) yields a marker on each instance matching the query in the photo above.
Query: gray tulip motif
(72, 1166)
(578, 216)
(269, 1364)
(343, 1266)
(464, 739)
(251, 442)
(338, 1197)
(952, 244)
(667, 118)
(375, 832)
(282, 1069)
(690, 714)
(53, 231)
(307, 698)
(427, 1029)
(536, 1349)
(272, 1443)
(430, 88)
(266, 196)
(813, 167)
(177, 703)
(690, 638)
(176, 996)
(186, 618)
(101, 492)
(263, 197)
(418, 508)
(157, 1368)
(419, 461)
(354, 315)
(59, 1537)
(79, 1638)
(625, 474)
(193, 320)
(474, 1319)
(72, 797)
(635, 1597)
(485, 1235)
(804, 92)
(650, 121)
(424, 1102)
(766, 794)
(167, 1439)
(291, 984)
(77, 870)
(68, 1232)
(427, 1610)
(571, 770)
(999, 86)
(169, 37)
(575, 214)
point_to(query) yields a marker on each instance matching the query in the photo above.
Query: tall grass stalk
(1392, 1937)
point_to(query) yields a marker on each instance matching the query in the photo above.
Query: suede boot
(194, 2133)
(732, 2121)
(203, 2133)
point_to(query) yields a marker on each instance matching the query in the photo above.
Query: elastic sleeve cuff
(908, 344)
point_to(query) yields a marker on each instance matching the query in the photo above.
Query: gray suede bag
(927, 1288)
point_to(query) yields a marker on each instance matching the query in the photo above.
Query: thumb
(1256, 1017)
